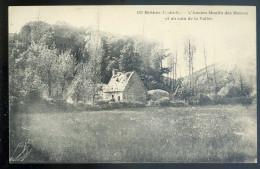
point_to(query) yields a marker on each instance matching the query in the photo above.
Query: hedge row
(205, 100)
(163, 102)
(107, 106)
(61, 106)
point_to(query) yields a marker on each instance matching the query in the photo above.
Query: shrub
(113, 105)
(102, 103)
(179, 103)
(157, 94)
(151, 103)
(60, 104)
(138, 104)
(187, 94)
(234, 92)
(165, 101)
(81, 106)
(204, 99)
(193, 100)
(230, 90)
(32, 96)
(118, 105)
(105, 105)
(234, 100)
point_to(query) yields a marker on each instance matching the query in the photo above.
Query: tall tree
(215, 78)
(129, 60)
(171, 65)
(43, 61)
(206, 67)
(65, 71)
(36, 32)
(158, 54)
(175, 66)
(95, 50)
(106, 72)
(189, 52)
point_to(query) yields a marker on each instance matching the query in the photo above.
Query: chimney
(114, 72)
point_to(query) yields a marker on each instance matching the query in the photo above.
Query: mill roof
(118, 82)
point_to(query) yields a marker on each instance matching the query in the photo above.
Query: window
(119, 98)
(113, 98)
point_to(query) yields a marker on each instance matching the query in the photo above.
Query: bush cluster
(104, 105)
(236, 100)
(166, 102)
(179, 103)
(204, 99)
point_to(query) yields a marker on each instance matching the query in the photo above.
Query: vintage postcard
(132, 84)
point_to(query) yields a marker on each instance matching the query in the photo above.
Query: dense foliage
(59, 61)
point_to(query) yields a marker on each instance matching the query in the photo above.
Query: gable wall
(135, 91)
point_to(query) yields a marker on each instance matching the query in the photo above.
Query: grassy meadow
(150, 134)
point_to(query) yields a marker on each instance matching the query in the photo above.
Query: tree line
(62, 61)
(65, 61)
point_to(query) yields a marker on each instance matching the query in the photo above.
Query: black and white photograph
(132, 84)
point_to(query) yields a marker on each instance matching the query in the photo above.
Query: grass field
(187, 134)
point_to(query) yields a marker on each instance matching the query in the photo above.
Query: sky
(231, 38)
